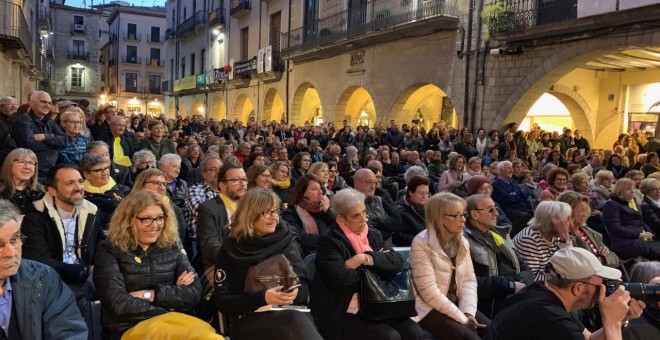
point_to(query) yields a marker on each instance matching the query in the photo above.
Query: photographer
(648, 326)
(574, 281)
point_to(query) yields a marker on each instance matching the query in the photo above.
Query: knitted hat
(474, 183)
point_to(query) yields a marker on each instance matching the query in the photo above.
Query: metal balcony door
(357, 17)
(556, 10)
(311, 20)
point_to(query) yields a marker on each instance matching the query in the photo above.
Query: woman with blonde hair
(140, 272)
(322, 171)
(281, 180)
(443, 273)
(76, 144)
(154, 180)
(629, 236)
(454, 175)
(18, 179)
(256, 234)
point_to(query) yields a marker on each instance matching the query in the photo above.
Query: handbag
(271, 272)
(386, 298)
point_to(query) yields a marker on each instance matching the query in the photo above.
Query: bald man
(382, 212)
(122, 144)
(34, 130)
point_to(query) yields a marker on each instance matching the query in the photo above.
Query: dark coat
(212, 231)
(158, 149)
(128, 144)
(651, 215)
(107, 202)
(309, 242)
(180, 193)
(101, 132)
(334, 285)
(118, 272)
(23, 129)
(284, 194)
(412, 223)
(6, 142)
(511, 196)
(121, 174)
(22, 199)
(624, 226)
(383, 215)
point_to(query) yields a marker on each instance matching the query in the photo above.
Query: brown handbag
(271, 272)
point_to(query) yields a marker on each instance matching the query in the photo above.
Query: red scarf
(303, 210)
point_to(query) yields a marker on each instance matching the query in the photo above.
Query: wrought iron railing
(191, 23)
(78, 55)
(514, 15)
(14, 25)
(373, 16)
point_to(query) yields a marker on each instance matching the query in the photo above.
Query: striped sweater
(534, 250)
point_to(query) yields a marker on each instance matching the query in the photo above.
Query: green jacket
(436, 168)
(158, 149)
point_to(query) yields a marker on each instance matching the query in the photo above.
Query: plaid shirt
(197, 194)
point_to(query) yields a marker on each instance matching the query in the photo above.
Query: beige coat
(431, 269)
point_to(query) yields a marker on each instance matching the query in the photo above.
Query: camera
(638, 291)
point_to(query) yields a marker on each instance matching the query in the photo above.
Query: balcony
(239, 8)
(152, 62)
(155, 38)
(165, 86)
(15, 35)
(154, 90)
(532, 20)
(132, 36)
(130, 59)
(376, 22)
(217, 18)
(78, 55)
(191, 24)
(78, 29)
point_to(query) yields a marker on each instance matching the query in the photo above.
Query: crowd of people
(507, 234)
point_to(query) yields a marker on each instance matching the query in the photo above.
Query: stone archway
(578, 107)
(426, 100)
(218, 108)
(243, 108)
(273, 105)
(355, 105)
(306, 104)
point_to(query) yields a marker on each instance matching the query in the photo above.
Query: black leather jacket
(118, 272)
(179, 194)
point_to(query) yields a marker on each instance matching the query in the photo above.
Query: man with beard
(574, 281)
(62, 230)
(213, 215)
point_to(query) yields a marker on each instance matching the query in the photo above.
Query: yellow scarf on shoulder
(231, 206)
(499, 240)
(281, 184)
(632, 204)
(87, 185)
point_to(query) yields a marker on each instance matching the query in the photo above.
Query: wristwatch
(147, 294)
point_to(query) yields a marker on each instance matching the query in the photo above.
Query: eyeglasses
(45, 102)
(369, 182)
(270, 213)
(459, 217)
(157, 183)
(147, 221)
(100, 171)
(591, 284)
(491, 210)
(211, 170)
(236, 180)
(15, 242)
(24, 163)
(73, 122)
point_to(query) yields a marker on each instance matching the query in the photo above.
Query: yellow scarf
(87, 185)
(281, 184)
(166, 199)
(632, 204)
(499, 240)
(228, 203)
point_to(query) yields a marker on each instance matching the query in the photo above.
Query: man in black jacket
(62, 230)
(122, 144)
(382, 211)
(500, 272)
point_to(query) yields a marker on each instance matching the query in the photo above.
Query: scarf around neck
(303, 209)
(285, 184)
(359, 241)
(87, 185)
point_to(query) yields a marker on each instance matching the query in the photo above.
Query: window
(155, 34)
(275, 31)
(131, 82)
(194, 9)
(202, 61)
(245, 34)
(131, 54)
(78, 48)
(131, 31)
(183, 67)
(154, 59)
(192, 64)
(77, 74)
(78, 20)
(154, 84)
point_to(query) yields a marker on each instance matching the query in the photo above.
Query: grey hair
(91, 159)
(642, 272)
(212, 148)
(413, 171)
(208, 159)
(502, 164)
(543, 215)
(142, 155)
(168, 158)
(8, 212)
(97, 144)
(604, 174)
(8, 99)
(351, 150)
(345, 199)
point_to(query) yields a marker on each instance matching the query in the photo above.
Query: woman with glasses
(140, 271)
(76, 143)
(335, 182)
(411, 209)
(546, 232)
(259, 176)
(281, 181)
(301, 162)
(177, 189)
(309, 211)
(154, 180)
(557, 180)
(191, 160)
(255, 235)
(100, 188)
(348, 248)
(18, 179)
(142, 160)
(442, 269)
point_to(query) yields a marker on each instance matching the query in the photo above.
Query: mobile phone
(291, 289)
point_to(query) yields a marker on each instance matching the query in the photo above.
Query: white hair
(168, 158)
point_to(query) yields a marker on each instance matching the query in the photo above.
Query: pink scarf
(359, 241)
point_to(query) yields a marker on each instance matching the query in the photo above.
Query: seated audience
(557, 179)
(382, 212)
(119, 173)
(259, 176)
(454, 175)
(335, 182)
(281, 181)
(76, 143)
(142, 160)
(18, 179)
(320, 169)
(481, 185)
(650, 206)
(603, 185)
(177, 189)
(512, 197)
(648, 325)
(411, 210)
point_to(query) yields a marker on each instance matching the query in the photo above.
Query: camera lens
(638, 291)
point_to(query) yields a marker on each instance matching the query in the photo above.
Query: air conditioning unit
(79, 27)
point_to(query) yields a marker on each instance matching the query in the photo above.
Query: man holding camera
(574, 281)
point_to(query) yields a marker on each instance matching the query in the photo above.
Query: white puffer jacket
(431, 269)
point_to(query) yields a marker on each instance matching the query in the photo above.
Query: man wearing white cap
(574, 281)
